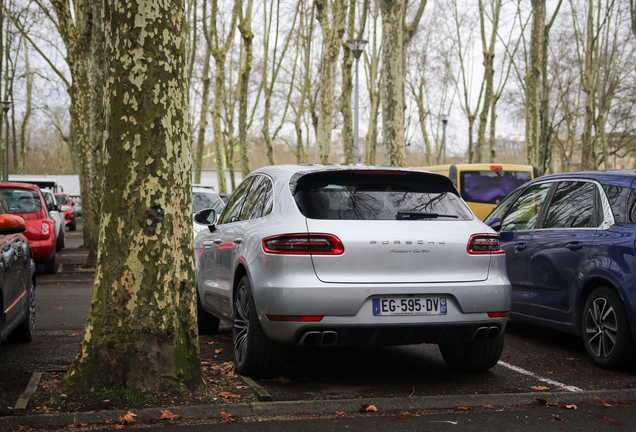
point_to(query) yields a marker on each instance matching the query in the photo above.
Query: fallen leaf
(342, 413)
(557, 419)
(573, 359)
(106, 400)
(74, 334)
(571, 406)
(367, 408)
(602, 417)
(122, 426)
(284, 380)
(562, 389)
(403, 415)
(128, 417)
(77, 423)
(488, 406)
(464, 408)
(167, 415)
(109, 421)
(219, 351)
(59, 308)
(550, 372)
(226, 415)
(539, 388)
(302, 415)
(228, 395)
(617, 423)
(541, 401)
(211, 343)
(239, 387)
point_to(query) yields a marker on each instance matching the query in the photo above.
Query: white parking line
(545, 380)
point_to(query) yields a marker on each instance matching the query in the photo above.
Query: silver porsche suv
(315, 255)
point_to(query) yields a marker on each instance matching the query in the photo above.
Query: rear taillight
(484, 244)
(303, 244)
(46, 231)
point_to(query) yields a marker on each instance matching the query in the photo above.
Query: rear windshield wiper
(422, 215)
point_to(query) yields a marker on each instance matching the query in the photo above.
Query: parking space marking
(537, 377)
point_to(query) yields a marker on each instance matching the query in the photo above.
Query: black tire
(208, 323)
(73, 225)
(50, 266)
(61, 242)
(254, 354)
(24, 331)
(474, 356)
(606, 333)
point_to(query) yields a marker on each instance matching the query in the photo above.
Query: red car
(26, 201)
(68, 208)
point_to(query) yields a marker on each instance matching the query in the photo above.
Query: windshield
(21, 201)
(490, 187)
(379, 195)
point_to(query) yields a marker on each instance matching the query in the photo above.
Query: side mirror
(206, 217)
(72, 202)
(11, 224)
(494, 223)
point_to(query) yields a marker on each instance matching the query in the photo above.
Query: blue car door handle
(574, 245)
(520, 246)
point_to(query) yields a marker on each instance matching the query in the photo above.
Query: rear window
(373, 195)
(21, 201)
(491, 187)
(623, 203)
(62, 200)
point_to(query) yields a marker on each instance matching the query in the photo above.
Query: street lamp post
(357, 46)
(444, 118)
(6, 106)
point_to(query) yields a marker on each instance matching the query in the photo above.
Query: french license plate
(409, 306)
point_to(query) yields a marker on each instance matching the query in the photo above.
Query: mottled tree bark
(489, 72)
(245, 27)
(141, 330)
(219, 52)
(76, 31)
(588, 152)
(28, 109)
(373, 61)
(392, 89)
(332, 32)
(96, 142)
(203, 115)
(346, 89)
(533, 82)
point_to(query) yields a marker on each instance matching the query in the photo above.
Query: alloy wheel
(601, 327)
(241, 324)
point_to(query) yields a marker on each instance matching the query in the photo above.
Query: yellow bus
(483, 186)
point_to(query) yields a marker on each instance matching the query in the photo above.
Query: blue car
(569, 241)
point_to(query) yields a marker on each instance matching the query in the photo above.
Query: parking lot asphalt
(537, 365)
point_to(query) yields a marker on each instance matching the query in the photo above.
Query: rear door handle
(238, 240)
(217, 241)
(520, 246)
(574, 245)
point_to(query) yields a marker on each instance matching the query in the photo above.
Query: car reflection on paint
(312, 255)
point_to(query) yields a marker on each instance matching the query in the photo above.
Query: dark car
(570, 254)
(17, 290)
(26, 201)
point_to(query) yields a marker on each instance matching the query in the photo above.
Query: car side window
(255, 199)
(268, 199)
(233, 208)
(572, 206)
(524, 212)
(501, 209)
(623, 203)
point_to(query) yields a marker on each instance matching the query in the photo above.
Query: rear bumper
(397, 334)
(43, 250)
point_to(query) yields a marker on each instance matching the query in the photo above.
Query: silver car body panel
(341, 288)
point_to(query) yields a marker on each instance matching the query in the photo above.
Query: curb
(384, 405)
